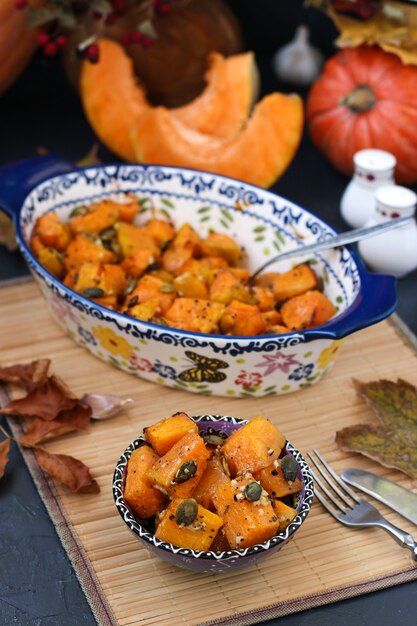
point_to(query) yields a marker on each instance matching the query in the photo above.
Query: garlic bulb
(298, 62)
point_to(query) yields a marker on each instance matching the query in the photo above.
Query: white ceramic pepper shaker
(393, 252)
(373, 169)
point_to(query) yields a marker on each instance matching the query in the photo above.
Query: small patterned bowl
(212, 561)
(263, 224)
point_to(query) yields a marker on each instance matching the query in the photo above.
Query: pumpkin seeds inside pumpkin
(186, 471)
(289, 467)
(186, 512)
(253, 491)
(93, 292)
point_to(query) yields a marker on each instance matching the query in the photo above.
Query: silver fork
(345, 506)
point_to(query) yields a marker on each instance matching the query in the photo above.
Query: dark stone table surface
(37, 584)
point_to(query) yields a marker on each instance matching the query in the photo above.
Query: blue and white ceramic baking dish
(262, 222)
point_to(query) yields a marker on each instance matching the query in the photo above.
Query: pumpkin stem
(360, 100)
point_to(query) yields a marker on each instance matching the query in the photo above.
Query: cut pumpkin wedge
(113, 98)
(258, 154)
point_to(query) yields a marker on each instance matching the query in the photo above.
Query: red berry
(50, 49)
(163, 8)
(136, 37)
(93, 53)
(146, 41)
(61, 41)
(20, 4)
(42, 39)
(119, 5)
(111, 18)
(125, 39)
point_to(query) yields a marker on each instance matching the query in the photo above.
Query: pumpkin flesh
(113, 98)
(268, 142)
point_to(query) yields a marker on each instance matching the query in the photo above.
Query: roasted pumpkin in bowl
(208, 493)
(250, 345)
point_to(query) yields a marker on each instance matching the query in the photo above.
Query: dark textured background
(37, 584)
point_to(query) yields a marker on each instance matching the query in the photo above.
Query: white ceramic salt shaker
(373, 169)
(393, 252)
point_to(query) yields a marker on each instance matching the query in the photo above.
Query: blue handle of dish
(18, 178)
(376, 301)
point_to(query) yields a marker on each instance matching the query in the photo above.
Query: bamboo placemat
(124, 584)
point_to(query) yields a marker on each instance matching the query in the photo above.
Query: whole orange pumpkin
(365, 98)
(17, 43)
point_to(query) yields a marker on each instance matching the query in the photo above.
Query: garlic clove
(298, 62)
(104, 406)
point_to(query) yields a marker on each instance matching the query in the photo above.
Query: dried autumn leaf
(4, 454)
(39, 430)
(46, 401)
(387, 29)
(67, 470)
(394, 442)
(29, 375)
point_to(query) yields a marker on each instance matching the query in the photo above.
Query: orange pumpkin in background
(365, 98)
(17, 43)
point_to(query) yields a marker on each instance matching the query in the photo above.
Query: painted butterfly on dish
(205, 370)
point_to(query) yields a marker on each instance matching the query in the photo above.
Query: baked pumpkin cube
(132, 238)
(198, 534)
(187, 237)
(100, 216)
(155, 289)
(174, 259)
(307, 310)
(284, 513)
(272, 318)
(128, 210)
(189, 285)
(85, 248)
(264, 297)
(227, 287)
(274, 482)
(136, 263)
(240, 318)
(246, 510)
(161, 231)
(144, 311)
(254, 446)
(178, 471)
(194, 314)
(95, 277)
(296, 281)
(52, 232)
(220, 245)
(144, 500)
(211, 479)
(51, 260)
(167, 432)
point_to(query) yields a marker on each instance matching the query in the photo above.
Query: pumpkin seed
(131, 286)
(153, 267)
(289, 467)
(213, 440)
(165, 244)
(168, 288)
(186, 512)
(133, 301)
(186, 471)
(93, 292)
(78, 211)
(107, 234)
(253, 491)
